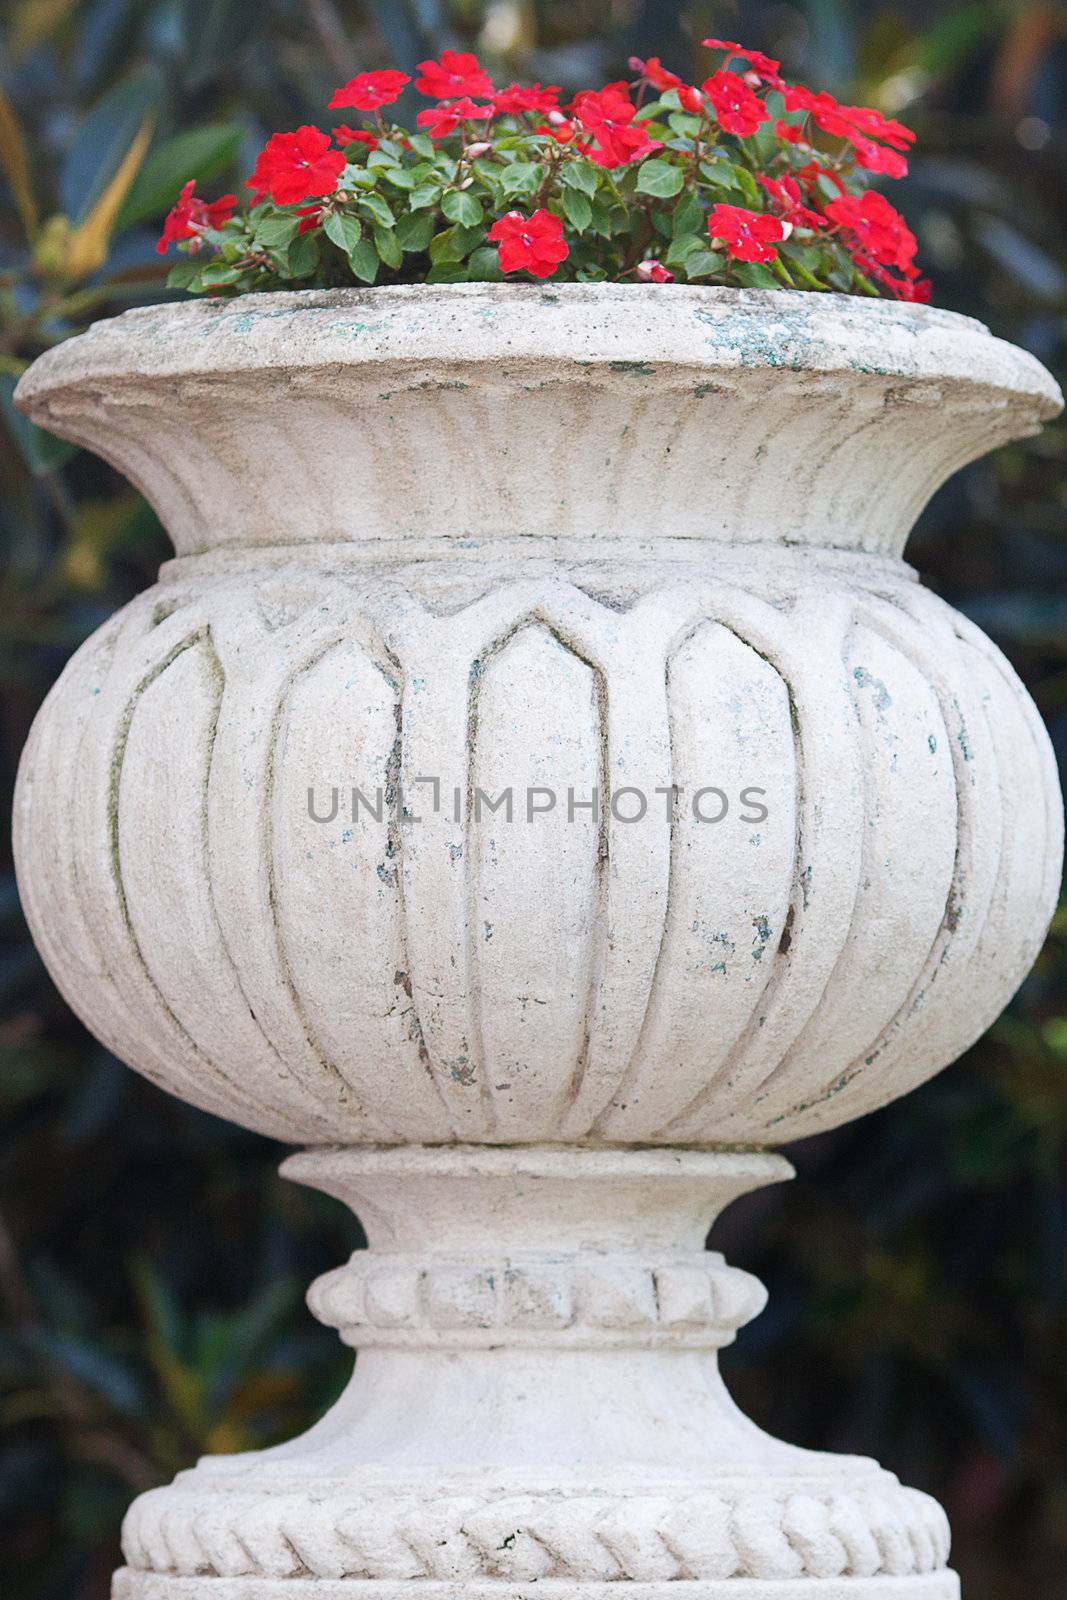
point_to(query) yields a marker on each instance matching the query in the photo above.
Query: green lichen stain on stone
(641, 369)
(763, 934)
(931, 743)
(760, 341)
(866, 680)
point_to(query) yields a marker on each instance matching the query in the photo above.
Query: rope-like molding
(693, 1300)
(684, 1534)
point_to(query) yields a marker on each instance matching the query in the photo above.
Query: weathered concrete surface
(625, 540)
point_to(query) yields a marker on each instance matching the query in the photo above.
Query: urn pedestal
(538, 788)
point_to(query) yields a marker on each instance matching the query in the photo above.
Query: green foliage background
(151, 1264)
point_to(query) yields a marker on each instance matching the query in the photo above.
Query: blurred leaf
(219, 33)
(89, 1364)
(42, 451)
(952, 41)
(15, 163)
(198, 153)
(1040, 273)
(102, 141)
(89, 242)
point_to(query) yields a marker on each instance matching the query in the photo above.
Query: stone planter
(440, 544)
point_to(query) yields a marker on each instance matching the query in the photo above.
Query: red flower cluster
(533, 244)
(296, 166)
(860, 125)
(765, 67)
(369, 91)
(442, 121)
(879, 238)
(737, 109)
(854, 238)
(747, 235)
(516, 100)
(608, 116)
(456, 75)
(190, 215)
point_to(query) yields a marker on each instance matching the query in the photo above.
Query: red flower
(296, 166)
(875, 126)
(763, 66)
(786, 192)
(516, 99)
(822, 108)
(909, 287)
(791, 132)
(369, 90)
(444, 120)
(877, 227)
(661, 78)
(737, 108)
(652, 271)
(747, 235)
(859, 125)
(533, 244)
(656, 73)
(815, 169)
(878, 157)
(608, 115)
(558, 127)
(186, 219)
(310, 218)
(457, 74)
(346, 135)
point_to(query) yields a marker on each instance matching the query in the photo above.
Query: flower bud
(471, 151)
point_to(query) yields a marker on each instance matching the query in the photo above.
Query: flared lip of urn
(632, 330)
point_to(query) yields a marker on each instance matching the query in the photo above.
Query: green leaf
(447, 272)
(702, 264)
(684, 246)
(754, 275)
(219, 276)
(688, 216)
(425, 195)
(399, 177)
(454, 244)
(579, 209)
(461, 206)
(275, 233)
(422, 145)
(659, 178)
(302, 257)
(484, 266)
(182, 273)
(522, 177)
(601, 218)
(198, 153)
(388, 247)
(747, 184)
(378, 208)
(415, 232)
(343, 230)
(363, 259)
(580, 174)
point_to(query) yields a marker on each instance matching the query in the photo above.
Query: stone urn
(537, 788)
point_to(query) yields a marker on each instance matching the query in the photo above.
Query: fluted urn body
(539, 741)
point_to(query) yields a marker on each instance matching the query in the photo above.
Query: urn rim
(625, 328)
